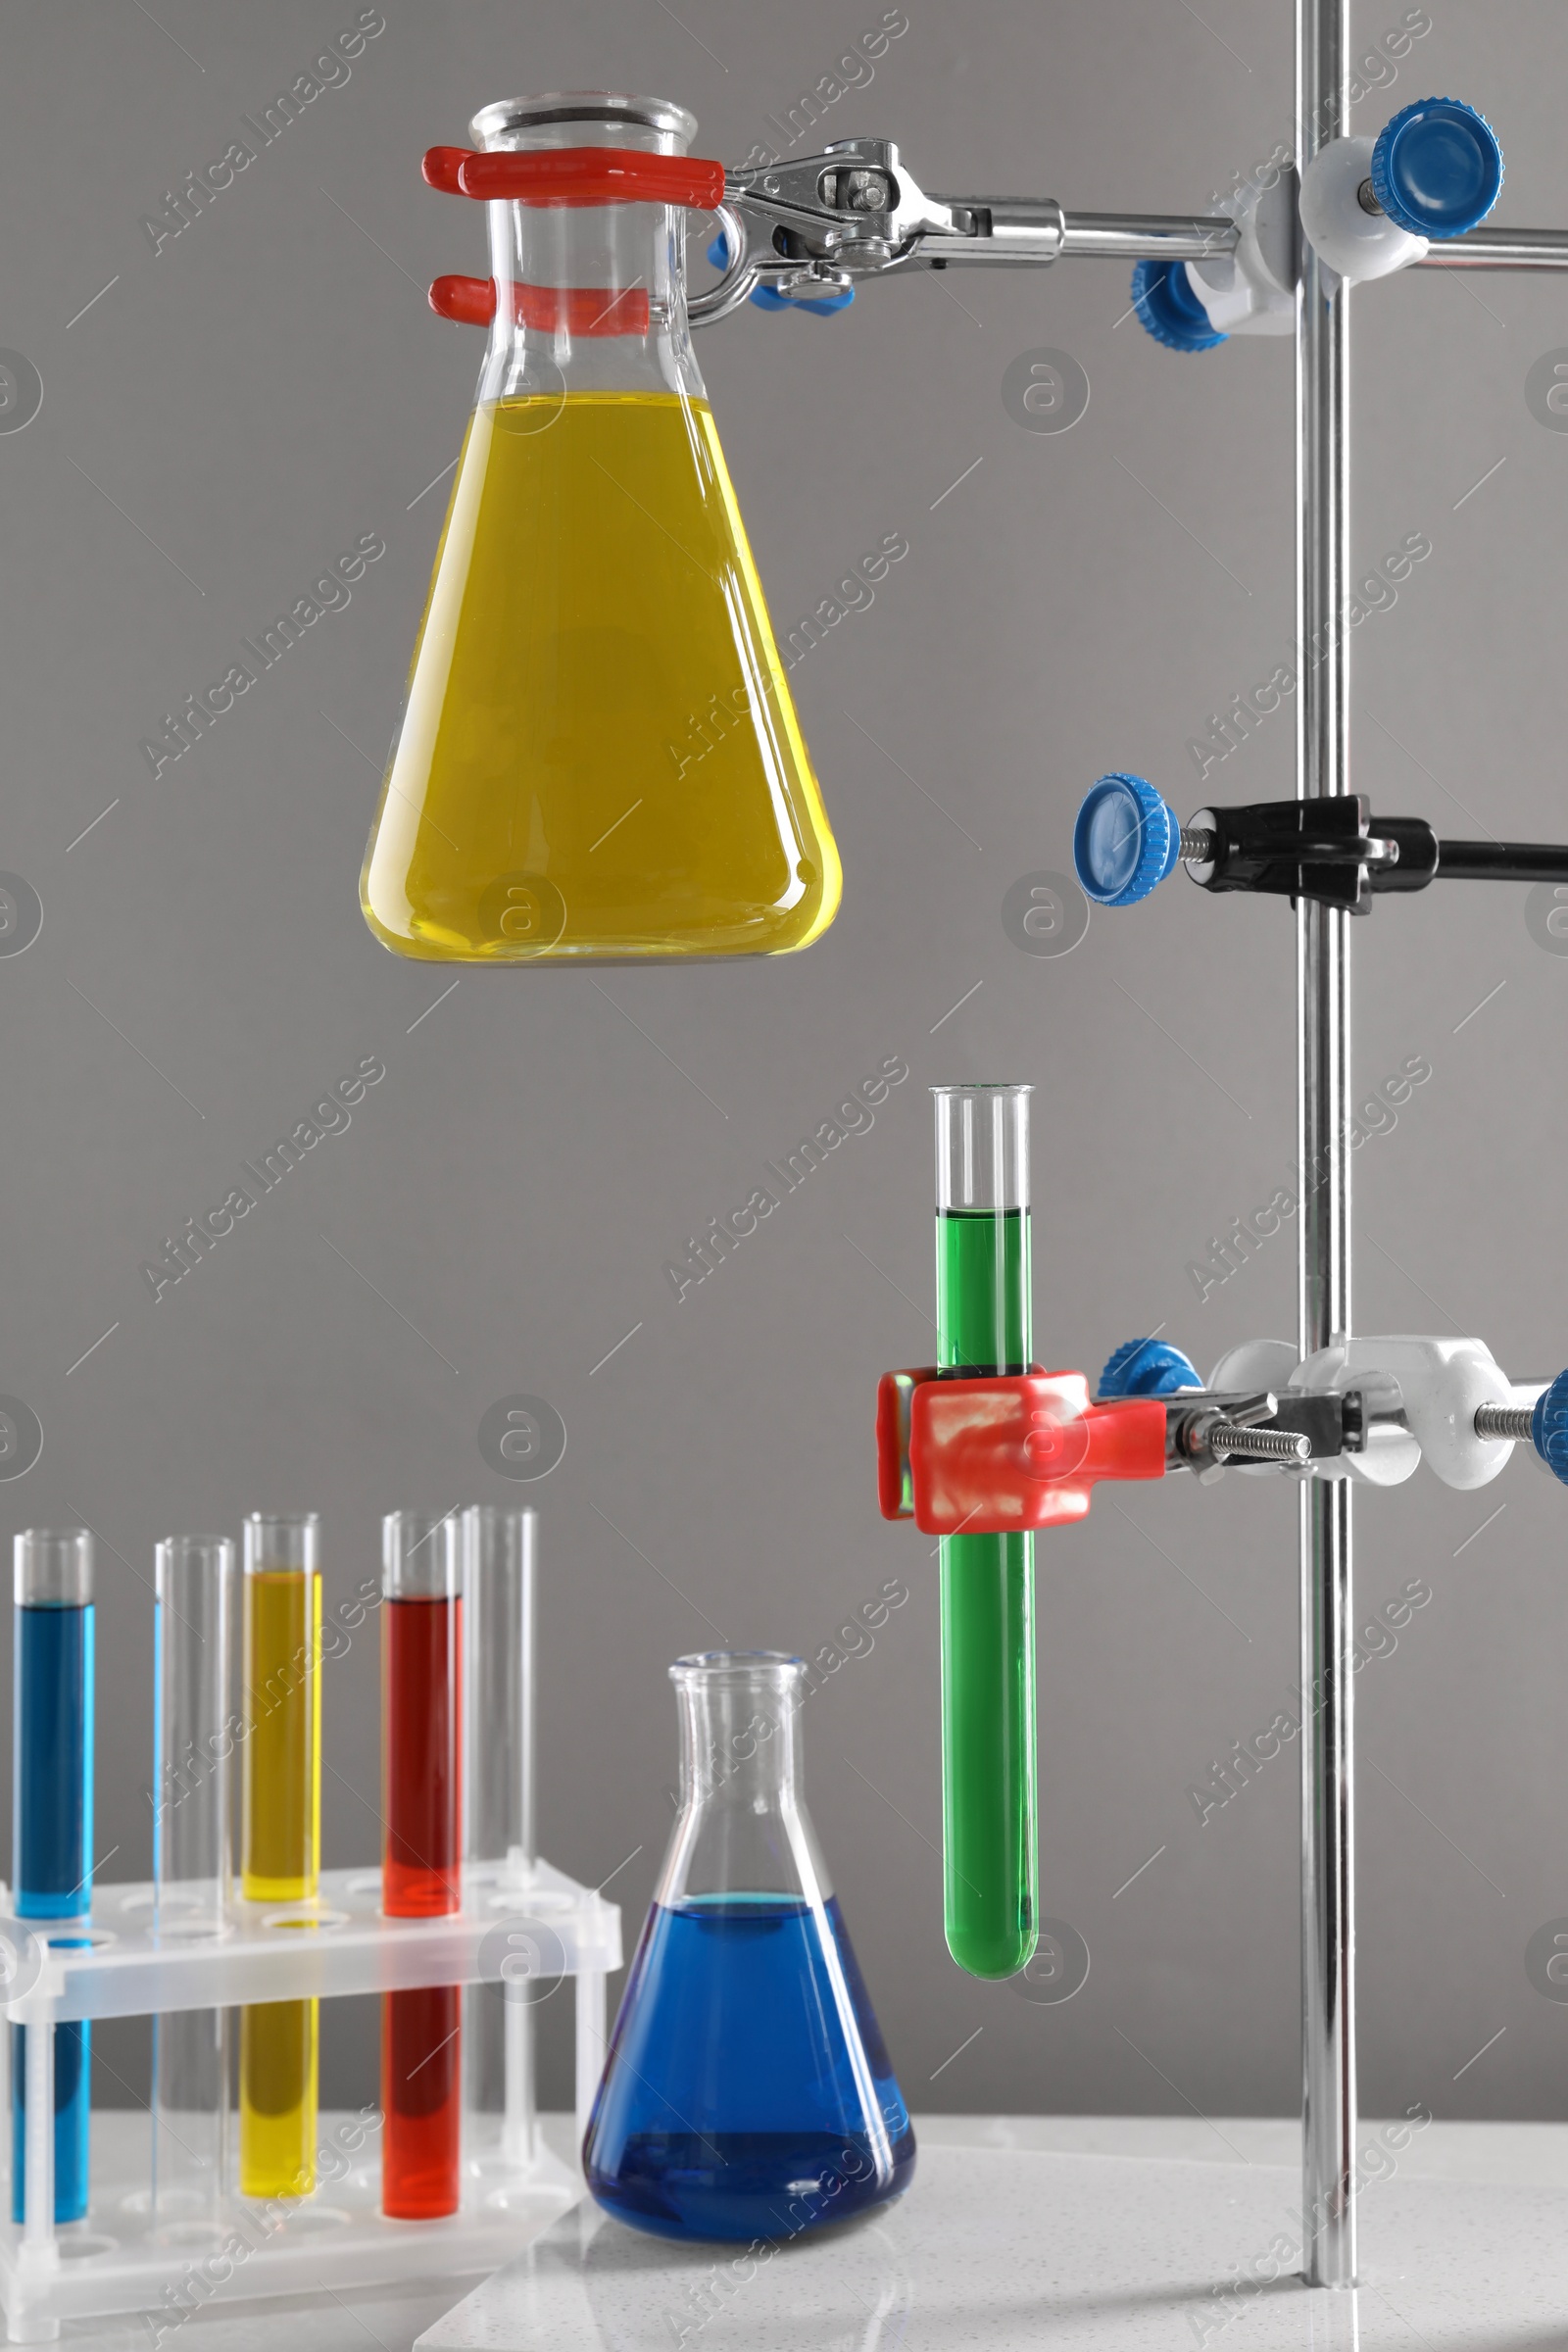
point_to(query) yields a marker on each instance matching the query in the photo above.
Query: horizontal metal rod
(1501, 862)
(1146, 236)
(1026, 230)
(1500, 249)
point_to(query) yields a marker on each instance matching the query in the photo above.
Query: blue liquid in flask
(52, 1855)
(748, 2092)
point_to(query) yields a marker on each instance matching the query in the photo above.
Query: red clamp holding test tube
(1006, 1453)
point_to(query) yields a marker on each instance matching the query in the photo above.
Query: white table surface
(1009, 2248)
(1179, 2205)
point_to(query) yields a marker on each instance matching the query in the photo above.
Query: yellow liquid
(599, 756)
(282, 1837)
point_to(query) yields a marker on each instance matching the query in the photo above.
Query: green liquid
(988, 1650)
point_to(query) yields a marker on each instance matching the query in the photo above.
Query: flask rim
(737, 1665)
(504, 118)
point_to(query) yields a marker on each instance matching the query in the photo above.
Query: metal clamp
(817, 222)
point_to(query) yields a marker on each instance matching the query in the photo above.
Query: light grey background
(238, 408)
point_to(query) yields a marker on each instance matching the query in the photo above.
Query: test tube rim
(440, 1578)
(986, 1182)
(206, 1546)
(496, 1515)
(80, 1596)
(260, 1561)
(988, 1086)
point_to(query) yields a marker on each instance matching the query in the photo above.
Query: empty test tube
(192, 1739)
(988, 1656)
(422, 1706)
(499, 1558)
(52, 1770)
(280, 1839)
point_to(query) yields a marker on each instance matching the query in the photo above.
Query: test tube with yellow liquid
(281, 1837)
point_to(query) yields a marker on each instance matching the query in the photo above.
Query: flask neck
(742, 1830)
(738, 1744)
(589, 297)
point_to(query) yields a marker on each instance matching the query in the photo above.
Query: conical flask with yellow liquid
(599, 758)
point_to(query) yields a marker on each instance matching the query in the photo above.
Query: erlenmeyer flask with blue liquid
(746, 2092)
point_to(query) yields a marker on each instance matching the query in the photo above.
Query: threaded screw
(1259, 1445)
(1504, 1421)
(1198, 845)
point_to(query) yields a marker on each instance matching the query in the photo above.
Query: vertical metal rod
(1328, 1913)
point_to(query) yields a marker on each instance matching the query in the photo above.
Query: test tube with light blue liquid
(51, 1845)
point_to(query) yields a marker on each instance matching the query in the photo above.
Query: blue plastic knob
(1147, 1369)
(1436, 167)
(1163, 298)
(767, 299)
(1126, 842)
(1548, 1427)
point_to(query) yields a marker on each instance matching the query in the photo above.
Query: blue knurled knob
(767, 299)
(1125, 840)
(1148, 1368)
(1436, 167)
(1163, 298)
(1548, 1427)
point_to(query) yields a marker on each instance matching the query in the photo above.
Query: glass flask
(746, 2092)
(599, 756)
(988, 1648)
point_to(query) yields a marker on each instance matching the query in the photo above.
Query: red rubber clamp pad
(1007, 1454)
(580, 310)
(578, 175)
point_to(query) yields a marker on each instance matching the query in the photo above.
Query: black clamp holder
(1332, 850)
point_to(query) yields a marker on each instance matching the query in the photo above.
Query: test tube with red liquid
(421, 1660)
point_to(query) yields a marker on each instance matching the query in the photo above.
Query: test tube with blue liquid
(51, 1845)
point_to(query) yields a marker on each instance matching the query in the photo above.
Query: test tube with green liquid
(984, 1326)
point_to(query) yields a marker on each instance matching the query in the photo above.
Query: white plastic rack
(524, 1928)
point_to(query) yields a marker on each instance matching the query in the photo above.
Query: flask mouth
(552, 118)
(776, 1667)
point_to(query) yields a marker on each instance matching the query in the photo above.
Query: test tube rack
(524, 1928)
